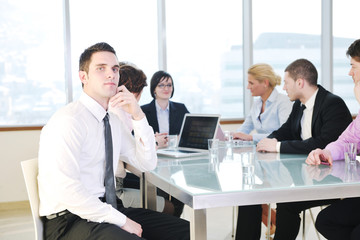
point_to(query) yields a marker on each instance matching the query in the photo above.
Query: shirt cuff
(278, 145)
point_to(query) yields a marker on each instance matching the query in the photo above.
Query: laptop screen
(197, 129)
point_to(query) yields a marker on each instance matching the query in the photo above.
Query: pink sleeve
(350, 135)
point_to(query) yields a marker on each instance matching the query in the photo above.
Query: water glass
(172, 141)
(228, 136)
(248, 161)
(351, 174)
(213, 145)
(350, 151)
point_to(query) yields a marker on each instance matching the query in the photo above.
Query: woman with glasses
(164, 116)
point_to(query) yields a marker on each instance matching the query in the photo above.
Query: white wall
(15, 146)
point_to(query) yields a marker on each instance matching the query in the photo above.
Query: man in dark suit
(318, 117)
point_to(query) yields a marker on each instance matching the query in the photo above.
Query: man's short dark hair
(303, 68)
(85, 57)
(156, 79)
(133, 78)
(354, 50)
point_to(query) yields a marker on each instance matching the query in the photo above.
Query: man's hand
(267, 145)
(161, 139)
(127, 101)
(242, 136)
(132, 227)
(319, 156)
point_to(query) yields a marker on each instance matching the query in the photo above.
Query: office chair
(30, 172)
(313, 222)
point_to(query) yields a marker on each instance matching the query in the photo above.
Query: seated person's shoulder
(146, 107)
(331, 99)
(178, 105)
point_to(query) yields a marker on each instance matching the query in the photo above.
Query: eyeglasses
(164, 85)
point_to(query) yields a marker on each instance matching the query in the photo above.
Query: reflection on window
(130, 27)
(281, 36)
(205, 56)
(345, 14)
(31, 61)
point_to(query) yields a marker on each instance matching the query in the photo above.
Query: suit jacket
(330, 118)
(176, 115)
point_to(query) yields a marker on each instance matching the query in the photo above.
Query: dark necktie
(302, 108)
(109, 173)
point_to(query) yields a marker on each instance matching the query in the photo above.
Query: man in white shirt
(72, 161)
(317, 118)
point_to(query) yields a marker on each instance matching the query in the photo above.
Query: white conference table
(202, 183)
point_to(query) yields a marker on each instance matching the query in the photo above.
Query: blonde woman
(267, 114)
(270, 110)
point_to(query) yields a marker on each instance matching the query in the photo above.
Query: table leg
(142, 190)
(198, 224)
(150, 196)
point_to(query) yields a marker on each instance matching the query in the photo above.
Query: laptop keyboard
(182, 151)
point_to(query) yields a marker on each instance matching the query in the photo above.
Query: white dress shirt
(306, 120)
(163, 118)
(72, 159)
(307, 117)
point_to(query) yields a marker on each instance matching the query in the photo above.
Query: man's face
(102, 80)
(290, 87)
(355, 70)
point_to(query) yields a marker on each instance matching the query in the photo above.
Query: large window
(345, 18)
(202, 44)
(128, 26)
(204, 55)
(283, 34)
(31, 61)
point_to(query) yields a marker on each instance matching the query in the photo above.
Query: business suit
(330, 118)
(176, 115)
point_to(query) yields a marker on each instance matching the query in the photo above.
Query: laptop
(195, 131)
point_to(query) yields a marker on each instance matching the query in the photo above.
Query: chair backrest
(30, 172)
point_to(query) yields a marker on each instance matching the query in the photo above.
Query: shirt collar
(159, 109)
(273, 95)
(311, 102)
(93, 106)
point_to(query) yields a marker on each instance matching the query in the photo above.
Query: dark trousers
(132, 181)
(249, 223)
(287, 219)
(155, 225)
(341, 220)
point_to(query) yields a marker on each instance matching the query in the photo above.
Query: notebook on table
(195, 131)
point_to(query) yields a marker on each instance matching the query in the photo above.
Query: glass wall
(128, 26)
(31, 61)
(345, 31)
(203, 46)
(204, 55)
(283, 34)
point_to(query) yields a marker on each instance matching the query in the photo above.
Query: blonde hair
(262, 71)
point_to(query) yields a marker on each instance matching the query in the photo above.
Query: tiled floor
(16, 224)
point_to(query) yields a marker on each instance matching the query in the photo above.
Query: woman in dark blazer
(165, 117)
